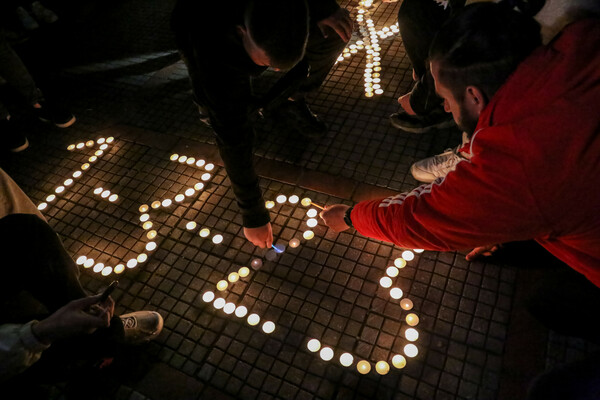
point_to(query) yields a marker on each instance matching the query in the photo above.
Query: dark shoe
(437, 119)
(12, 139)
(298, 115)
(52, 114)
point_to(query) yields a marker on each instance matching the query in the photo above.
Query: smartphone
(108, 291)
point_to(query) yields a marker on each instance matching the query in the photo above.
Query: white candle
(326, 353)
(268, 327)
(313, 345)
(346, 359)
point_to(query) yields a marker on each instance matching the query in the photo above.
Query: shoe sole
(21, 147)
(424, 129)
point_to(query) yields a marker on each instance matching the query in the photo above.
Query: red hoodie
(534, 171)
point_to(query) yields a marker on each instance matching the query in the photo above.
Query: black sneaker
(437, 119)
(52, 114)
(10, 138)
(299, 116)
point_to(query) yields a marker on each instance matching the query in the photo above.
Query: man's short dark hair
(280, 28)
(481, 46)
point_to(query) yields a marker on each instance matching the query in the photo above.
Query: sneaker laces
(129, 322)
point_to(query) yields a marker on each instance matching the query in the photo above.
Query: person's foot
(431, 168)
(43, 14)
(141, 326)
(52, 114)
(26, 19)
(436, 119)
(10, 138)
(298, 115)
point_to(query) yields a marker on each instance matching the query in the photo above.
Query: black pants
(419, 21)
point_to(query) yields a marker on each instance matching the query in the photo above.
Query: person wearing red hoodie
(534, 171)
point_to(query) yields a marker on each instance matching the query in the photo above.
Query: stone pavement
(115, 65)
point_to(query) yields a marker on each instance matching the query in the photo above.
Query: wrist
(39, 332)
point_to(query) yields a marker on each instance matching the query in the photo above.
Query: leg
(39, 264)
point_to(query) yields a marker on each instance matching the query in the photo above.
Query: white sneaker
(26, 20)
(431, 168)
(141, 326)
(43, 14)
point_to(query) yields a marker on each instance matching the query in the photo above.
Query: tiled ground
(118, 68)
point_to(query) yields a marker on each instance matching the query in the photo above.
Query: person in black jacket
(224, 44)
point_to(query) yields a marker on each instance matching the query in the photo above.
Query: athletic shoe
(43, 14)
(141, 326)
(436, 119)
(11, 139)
(431, 168)
(54, 115)
(26, 19)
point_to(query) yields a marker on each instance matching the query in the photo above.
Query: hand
(333, 216)
(340, 22)
(75, 319)
(482, 251)
(261, 236)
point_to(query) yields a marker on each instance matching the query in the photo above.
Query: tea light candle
(217, 239)
(408, 255)
(119, 269)
(80, 145)
(306, 202)
(190, 225)
(233, 277)
(190, 161)
(142, 258)
(106, 271)
(147, 225)
(363, 366)
(281, 199)
(60, 189)
(98, 267)
(313, 345)
(179, 198)
(68, 182)
(77, 174)
(71, 147)
(219, 303)
(411, 350)
(88, 263)
(80, 260)
(392, 271)
(382, 367)
(385, 282)
(418, 250)
(256, 263)
(269, 204)
(399, 361)
(346, 359)
(182, 159)
(253, 319)
(89, 143)
(144, 217)
(199, 186)
(42, 206)
(222, 285)
(200, 163)
(205, 177)
(406, 304)
(105, 194)
(396, 293)
(132, 263)
(294, 199)
(85, 166)
(167, 202)
(311, 213)
(204, 232)
(155, 204)
(190, 192)
(92, 159)
(241, 312)
(308, 235)
(51, 198)
(412, 319)
(294, 243)
(312, 222)
(400, 262)
(326, 353)
(209, 167)
(229, 308)
(101, 140)
(411, 334)
(268, 327)
(151, 246)
(98, 153)
(143, 208)
(244, 272)
(208, 297)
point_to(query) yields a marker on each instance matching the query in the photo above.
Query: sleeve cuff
(29, 340)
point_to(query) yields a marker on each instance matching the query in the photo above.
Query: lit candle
(144, 217)
(346, 359)
(256, 263)
(132, 263)
(326, 353)
(119, 269)
(143, 208)
(269, 204)
(93, 159)
(68, 182)
(106, 271)
(411, 334)
(98, 267)
(408, 255)
(406, 304)
(179, 198)
(281, 199)
(101, 140)
(222, 285)
(392, 271)
(104, 146)
(60, 189)
(253, 319)
(308, 235)
(200, 163)
(155, 204)
(412, 319)
(363, 366)
(88, 263)
(204, 232)
(209, 167)
(219, 303)
(50, 198)
(208, 297)
(182, 159)
(89, 143)
(77, 174)
(80, 260)
(311, 213)
(306, 202)
(313, 345)
(151, 246)
(396, 293)
(400, 262)
(205, 177)
(142, 257)
(385, 282)
(411, 350)
(268, 327)
(241, 312)
(166, 202)
(312, 222)
(190, 225)
(399, 361)
(382, 367)
(147, 225)
(190, 192)
(105, 194)
(80, 145)
(42, 206)
(244, 272)
(217, 239)
(418, 250)
(294, 243)
(294, 199)
(229, 308)
(71, 147)
(98, 153)
(85, 166)
(233, 277)
(199, 186)
(190, 161)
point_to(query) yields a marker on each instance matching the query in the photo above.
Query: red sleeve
(486, 200)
